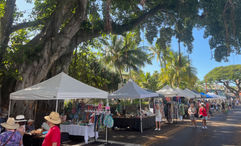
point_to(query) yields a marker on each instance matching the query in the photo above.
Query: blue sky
(200, 57)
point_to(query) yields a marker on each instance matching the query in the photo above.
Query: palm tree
(163, 54)
(123, 53)
(178, 73)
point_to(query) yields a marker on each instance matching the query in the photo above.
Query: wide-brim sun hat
(10, 124)
(53, 117)
(20, 118)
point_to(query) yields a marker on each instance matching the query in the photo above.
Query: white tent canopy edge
(59, 87)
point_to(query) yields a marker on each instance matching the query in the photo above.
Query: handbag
(9, 139)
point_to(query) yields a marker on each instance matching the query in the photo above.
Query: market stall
(62, 87)
(170, 107)
(132, 91)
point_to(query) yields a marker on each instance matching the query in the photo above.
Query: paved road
(223, 130)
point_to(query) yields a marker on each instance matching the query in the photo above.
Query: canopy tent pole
(149, 106)
(56, 108)
(106, 129)
(141, 117)
(9, 108)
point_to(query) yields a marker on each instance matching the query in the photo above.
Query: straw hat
(53, 118)
(20, 118)
(10, 124)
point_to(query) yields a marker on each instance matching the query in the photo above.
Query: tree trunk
(179, 61)
(8, 86)
(27, 107)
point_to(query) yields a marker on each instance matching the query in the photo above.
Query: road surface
(223, 130)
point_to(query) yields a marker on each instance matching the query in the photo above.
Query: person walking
(181, 111)
(158, 117)
(203, 115)
(223, 106)
(53, 137)
(11, 137)
(192, 111)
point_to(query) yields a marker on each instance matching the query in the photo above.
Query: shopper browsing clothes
(53, 137)
(158, 117)
(203, 115)
(192, 111)
(11, 137)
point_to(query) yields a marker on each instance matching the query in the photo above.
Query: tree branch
(119, 29)
(226, 84)
(26, 25)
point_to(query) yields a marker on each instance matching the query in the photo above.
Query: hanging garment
(97, 117)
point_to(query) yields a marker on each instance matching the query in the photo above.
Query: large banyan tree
(38, 48)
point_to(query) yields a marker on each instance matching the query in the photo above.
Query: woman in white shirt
(158, 117)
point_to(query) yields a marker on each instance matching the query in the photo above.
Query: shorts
(205, 118)
(158, 118)
(192, 117)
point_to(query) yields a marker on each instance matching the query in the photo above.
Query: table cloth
(77, 130)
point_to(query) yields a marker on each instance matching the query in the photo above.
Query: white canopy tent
(183, 93)
(58, 87)
(193, 93)
(132, 91)
(167, 91)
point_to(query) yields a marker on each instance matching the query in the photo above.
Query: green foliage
(229, 73)
(2, 5)
(221, 20)
(146, 80)
(44, 8)
(86, 67)
(229, 76)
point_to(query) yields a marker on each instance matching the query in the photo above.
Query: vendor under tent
(132, 91)
(60, 87)
(167, 91)
(193, 93)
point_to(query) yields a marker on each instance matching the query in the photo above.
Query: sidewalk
(134, 138)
